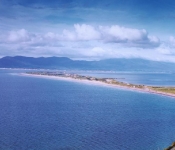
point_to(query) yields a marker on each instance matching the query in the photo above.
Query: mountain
(118, 64)
(42, 62)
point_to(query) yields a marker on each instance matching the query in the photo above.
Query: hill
(120, 64)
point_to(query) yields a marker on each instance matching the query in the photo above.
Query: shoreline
(100, 83)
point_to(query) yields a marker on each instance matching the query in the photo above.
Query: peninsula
(167, 91)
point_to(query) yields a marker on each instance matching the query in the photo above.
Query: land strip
(167, 91)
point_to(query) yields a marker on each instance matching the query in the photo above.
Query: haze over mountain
(120, 64)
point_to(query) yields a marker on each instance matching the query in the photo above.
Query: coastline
(146, 90)
(71, 80)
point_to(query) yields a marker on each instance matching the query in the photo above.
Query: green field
(164, 89)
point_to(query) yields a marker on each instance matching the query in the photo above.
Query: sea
(48, 114)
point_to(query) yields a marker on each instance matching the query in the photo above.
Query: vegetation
(170, 90)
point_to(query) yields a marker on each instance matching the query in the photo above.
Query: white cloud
(122, 34)
(112, 34)
(153, 39)
(86, 32)
(107, 34)
(51, 38)
(18, 36)
(129, 36)
(68, 36)
(51, 35)
(172, 41)
(164, 49)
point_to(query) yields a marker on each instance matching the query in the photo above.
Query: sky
(88, 29)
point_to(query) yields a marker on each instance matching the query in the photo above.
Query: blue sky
(90, 30)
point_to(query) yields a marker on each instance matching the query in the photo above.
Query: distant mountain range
(118, 64)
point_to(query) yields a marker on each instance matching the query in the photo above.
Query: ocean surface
(45, 114)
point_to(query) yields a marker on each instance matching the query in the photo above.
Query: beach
(133, 88)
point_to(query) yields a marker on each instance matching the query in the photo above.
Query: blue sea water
(45, 114)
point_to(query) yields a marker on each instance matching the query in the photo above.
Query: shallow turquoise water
(45, 114)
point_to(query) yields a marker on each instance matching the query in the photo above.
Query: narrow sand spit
(98, 83)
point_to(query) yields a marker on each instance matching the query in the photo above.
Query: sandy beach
(99, 83)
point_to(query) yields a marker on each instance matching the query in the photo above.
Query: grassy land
(164, 89)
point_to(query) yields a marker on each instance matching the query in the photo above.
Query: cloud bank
(113, 34)
(84, 32)
(84, 41)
